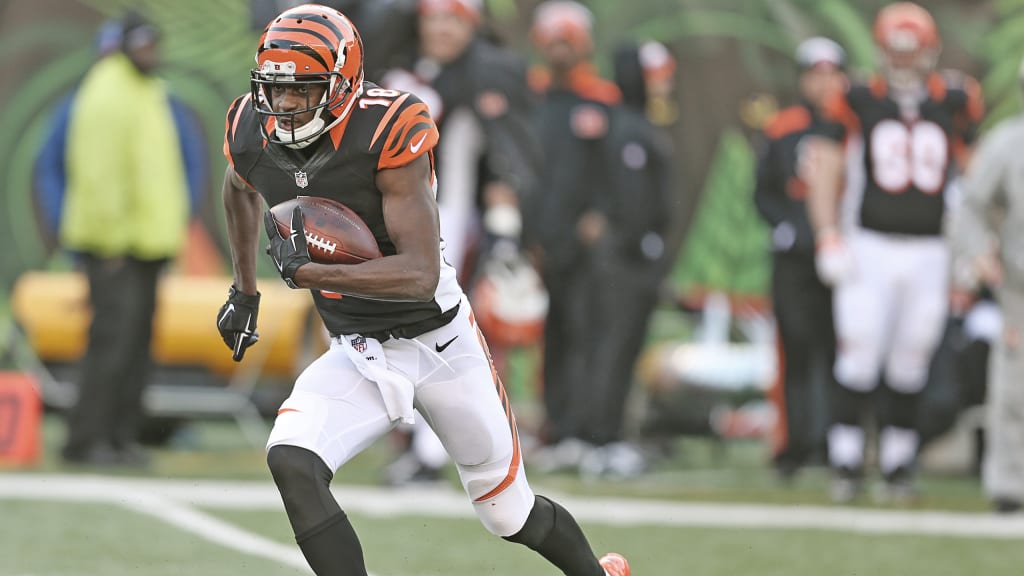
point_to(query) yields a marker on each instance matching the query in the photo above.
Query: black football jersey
(384, 129)
(784, 162)
(907, 164)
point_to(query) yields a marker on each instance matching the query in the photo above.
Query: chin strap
(312, 131)
(303, 135)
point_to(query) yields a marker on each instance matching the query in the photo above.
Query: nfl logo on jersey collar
(300, 179)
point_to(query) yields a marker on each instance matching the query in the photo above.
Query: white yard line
(446, 502)
(142, 498)
(214, 529)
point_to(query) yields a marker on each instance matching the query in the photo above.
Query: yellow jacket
(127, 192)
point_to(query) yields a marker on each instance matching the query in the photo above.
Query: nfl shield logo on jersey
(359, 344)
(300, 180)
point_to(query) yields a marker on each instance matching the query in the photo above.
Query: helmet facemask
(907, 62)
(336, 89)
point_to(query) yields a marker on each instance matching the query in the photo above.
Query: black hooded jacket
(642, 165)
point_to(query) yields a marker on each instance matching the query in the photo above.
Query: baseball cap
(137, 31)
(820, 50)
(656, 61)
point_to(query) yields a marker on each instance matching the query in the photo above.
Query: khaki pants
(1004, 460)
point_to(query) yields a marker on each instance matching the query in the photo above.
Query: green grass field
(51, 539)
(55, 533)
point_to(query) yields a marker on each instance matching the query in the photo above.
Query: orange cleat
(614, 564)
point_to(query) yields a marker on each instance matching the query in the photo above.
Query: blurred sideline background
(712, 328)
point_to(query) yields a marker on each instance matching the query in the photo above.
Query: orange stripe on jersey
(513, 468)
(227, 142)
(238, 114)
(387, 118)
(585, 82)
(247, 183)
(339, 130)
(879, 89)
(967, 122)
(284, 410)
(838, 109)
(787, 121)
(975, 99)
(936, 87)
(270, 126)
(599, 90)
(412, 135)
(231, 126)
(538, 79)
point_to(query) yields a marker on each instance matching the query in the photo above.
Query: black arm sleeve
(769, 192)
(665, 179)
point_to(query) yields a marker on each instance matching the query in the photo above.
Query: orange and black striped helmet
(908, 42)
(905, 26)
(313, 45)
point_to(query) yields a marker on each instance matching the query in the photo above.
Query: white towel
(396, 390)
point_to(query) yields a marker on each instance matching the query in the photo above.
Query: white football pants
(336, 412)
(890, 314)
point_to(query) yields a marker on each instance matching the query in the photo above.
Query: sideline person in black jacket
(630, 261)
(802, 304)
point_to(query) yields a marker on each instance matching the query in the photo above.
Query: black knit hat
(137, 31)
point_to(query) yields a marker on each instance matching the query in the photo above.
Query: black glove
(289, 253)
(236, 321)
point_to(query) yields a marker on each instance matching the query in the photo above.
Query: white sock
(846, 446)
(897, 447)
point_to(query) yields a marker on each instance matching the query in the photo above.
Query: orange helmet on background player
(909, 44)
(312, 45)
(509, 301)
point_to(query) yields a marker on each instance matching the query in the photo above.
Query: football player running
(908, 132)
(311, 125)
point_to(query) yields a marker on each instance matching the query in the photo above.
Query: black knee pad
(898, 409)
(304, 482)
(847, 406)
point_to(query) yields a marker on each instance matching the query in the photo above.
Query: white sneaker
(566, 455)
(619, 460)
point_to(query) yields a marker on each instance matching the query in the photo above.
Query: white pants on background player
(890, 313)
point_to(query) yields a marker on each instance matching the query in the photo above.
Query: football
(334, 233)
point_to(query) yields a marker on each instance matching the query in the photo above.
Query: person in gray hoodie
(988, 241)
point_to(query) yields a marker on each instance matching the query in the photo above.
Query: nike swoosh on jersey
(440, 347)
(414, 148)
